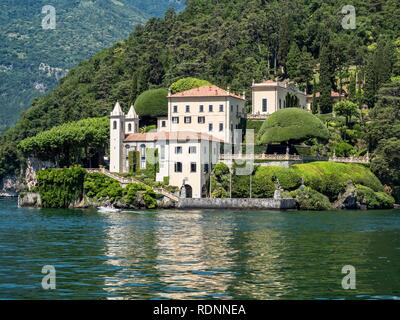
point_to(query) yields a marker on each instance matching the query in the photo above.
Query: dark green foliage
(135, 193)
(347, 109)
(384, 134)
(374, 200)
(229, 43)
(220, 181)
(292, 124)
(152, 103)
(299, 65)
(152, 163)
(99, 186)
(60, 188)
(379, 67)
(70, 143)
(134, 162)
(187, 84)
(309, 199)
(103, 188)
(326, 82)
(343, 149)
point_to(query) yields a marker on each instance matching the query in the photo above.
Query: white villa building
(189, 140)
(270, 96)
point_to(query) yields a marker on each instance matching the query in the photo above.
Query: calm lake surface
(198, 254)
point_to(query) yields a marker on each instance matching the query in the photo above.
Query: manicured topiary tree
(291, 124)
(187, 84)
(152, 103)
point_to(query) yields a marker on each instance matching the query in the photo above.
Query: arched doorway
(189, 191)
(186, 191)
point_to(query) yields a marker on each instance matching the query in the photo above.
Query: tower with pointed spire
(131, 121)
(117, 136)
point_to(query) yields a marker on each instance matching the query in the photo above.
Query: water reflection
(203, 254)
(194, 259)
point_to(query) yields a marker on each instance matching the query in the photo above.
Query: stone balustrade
(290, 157)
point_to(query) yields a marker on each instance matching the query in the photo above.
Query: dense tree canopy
(70, 143)
(291, 124)
(227, 42)
(384, 135)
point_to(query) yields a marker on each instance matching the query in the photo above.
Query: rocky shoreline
(4, 194)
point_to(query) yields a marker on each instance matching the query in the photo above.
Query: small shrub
(374, 200)
(309, 199)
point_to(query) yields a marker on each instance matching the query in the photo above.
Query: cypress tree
(325, 102)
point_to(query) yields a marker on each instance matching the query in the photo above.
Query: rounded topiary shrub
(188, 83)
(291, 124)
(152, 103)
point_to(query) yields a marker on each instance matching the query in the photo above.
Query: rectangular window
(210, 127)
(221, 108)
(221, 127)
(206, 168)
(264, 105)
(187, 108)
(193, 167)
(192, 150)
(201, 119)
(178, 150)
(175, 120)
(175, 109)
(163, 124)
(201, 108)
(210, 108)
(178, 166)
(188, 119)
(162, 152)
(231, 108)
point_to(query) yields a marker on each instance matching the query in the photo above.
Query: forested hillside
(227, 42)
(33, 59)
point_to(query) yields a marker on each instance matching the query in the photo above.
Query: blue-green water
(198, 254)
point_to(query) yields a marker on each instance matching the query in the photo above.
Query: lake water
(198, 254)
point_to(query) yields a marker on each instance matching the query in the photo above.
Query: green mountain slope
(32, 59)
(228, 42)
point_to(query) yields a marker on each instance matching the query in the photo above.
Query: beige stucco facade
(216, 116)
(270, 96)
(189, 140)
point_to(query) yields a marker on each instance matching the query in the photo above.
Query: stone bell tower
(117, 136)
(131, 121)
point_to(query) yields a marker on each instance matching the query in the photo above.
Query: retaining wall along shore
(261, 204)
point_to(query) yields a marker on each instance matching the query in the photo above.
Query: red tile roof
(176, 136)
(206, 91)
(334, 94)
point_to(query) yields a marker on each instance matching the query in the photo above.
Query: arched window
(115, 125)
(143, 150)
(129, 127)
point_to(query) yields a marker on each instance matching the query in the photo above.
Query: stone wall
(29, 199)
(260, 204)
